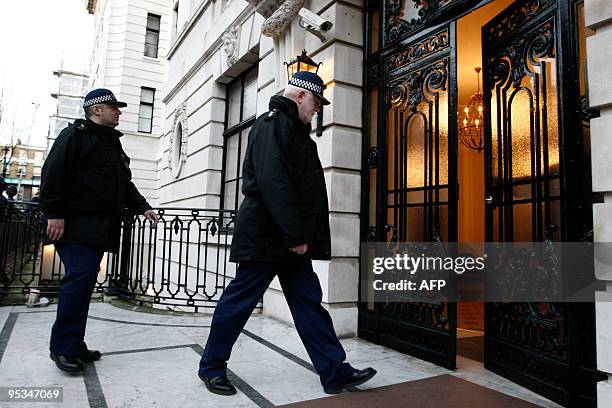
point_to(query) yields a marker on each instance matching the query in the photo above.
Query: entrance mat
(471, 347)
(444, 391)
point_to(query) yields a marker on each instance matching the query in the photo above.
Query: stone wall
(598, 15)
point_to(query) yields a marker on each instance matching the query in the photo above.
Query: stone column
(598, 16)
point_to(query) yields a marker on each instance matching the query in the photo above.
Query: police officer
(86, 183)
(282, 224)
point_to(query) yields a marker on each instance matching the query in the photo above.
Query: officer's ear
(95, 109)
(301, 95)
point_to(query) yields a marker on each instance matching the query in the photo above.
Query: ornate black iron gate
(537, 174)
(537, 188)
(411, 161)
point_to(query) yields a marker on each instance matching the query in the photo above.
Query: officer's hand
(300, 250)
(151, 216)
(55, 228)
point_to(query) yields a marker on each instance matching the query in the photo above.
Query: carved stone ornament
(230, 45)
(177, 152)
(281, 18)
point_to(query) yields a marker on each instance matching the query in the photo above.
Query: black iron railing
(182, 262)
(20, 248)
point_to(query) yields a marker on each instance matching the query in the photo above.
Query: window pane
(229, 195)
(150, 51)
(146, 111)
(145, 120)
(233, 116)
(244, 141)
(144, 125)
(146, 95)
(151, 41)
(152, 38)
(249, 107)
(153, 21)
(231, 158)
(241, 105)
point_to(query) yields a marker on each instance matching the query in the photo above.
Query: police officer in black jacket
(282, 224)
(86, 183)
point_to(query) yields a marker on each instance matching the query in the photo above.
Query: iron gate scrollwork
(417, 185)
(416, 199)
(406, 17)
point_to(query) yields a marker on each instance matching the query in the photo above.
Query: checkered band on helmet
(99, 99)
(311, 86)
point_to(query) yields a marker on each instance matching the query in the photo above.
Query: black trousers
(303, 293)
(81, 264)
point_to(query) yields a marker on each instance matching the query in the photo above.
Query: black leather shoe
(357, 378)
(218, 385)
(89, 356)
(68, 364)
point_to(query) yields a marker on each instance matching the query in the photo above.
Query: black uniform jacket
(86, 180)
(285, 203)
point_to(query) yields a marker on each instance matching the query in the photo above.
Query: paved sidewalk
(150, 360)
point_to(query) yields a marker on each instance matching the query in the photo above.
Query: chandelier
(470, 131)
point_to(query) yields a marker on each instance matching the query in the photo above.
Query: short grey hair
(291, 91)
(88, 110)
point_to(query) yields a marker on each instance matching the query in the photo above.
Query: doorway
(421, 182)
(470, 166)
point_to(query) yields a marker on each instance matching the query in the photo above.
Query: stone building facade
(129, 58)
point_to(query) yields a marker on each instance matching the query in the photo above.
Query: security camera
(313, 23)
